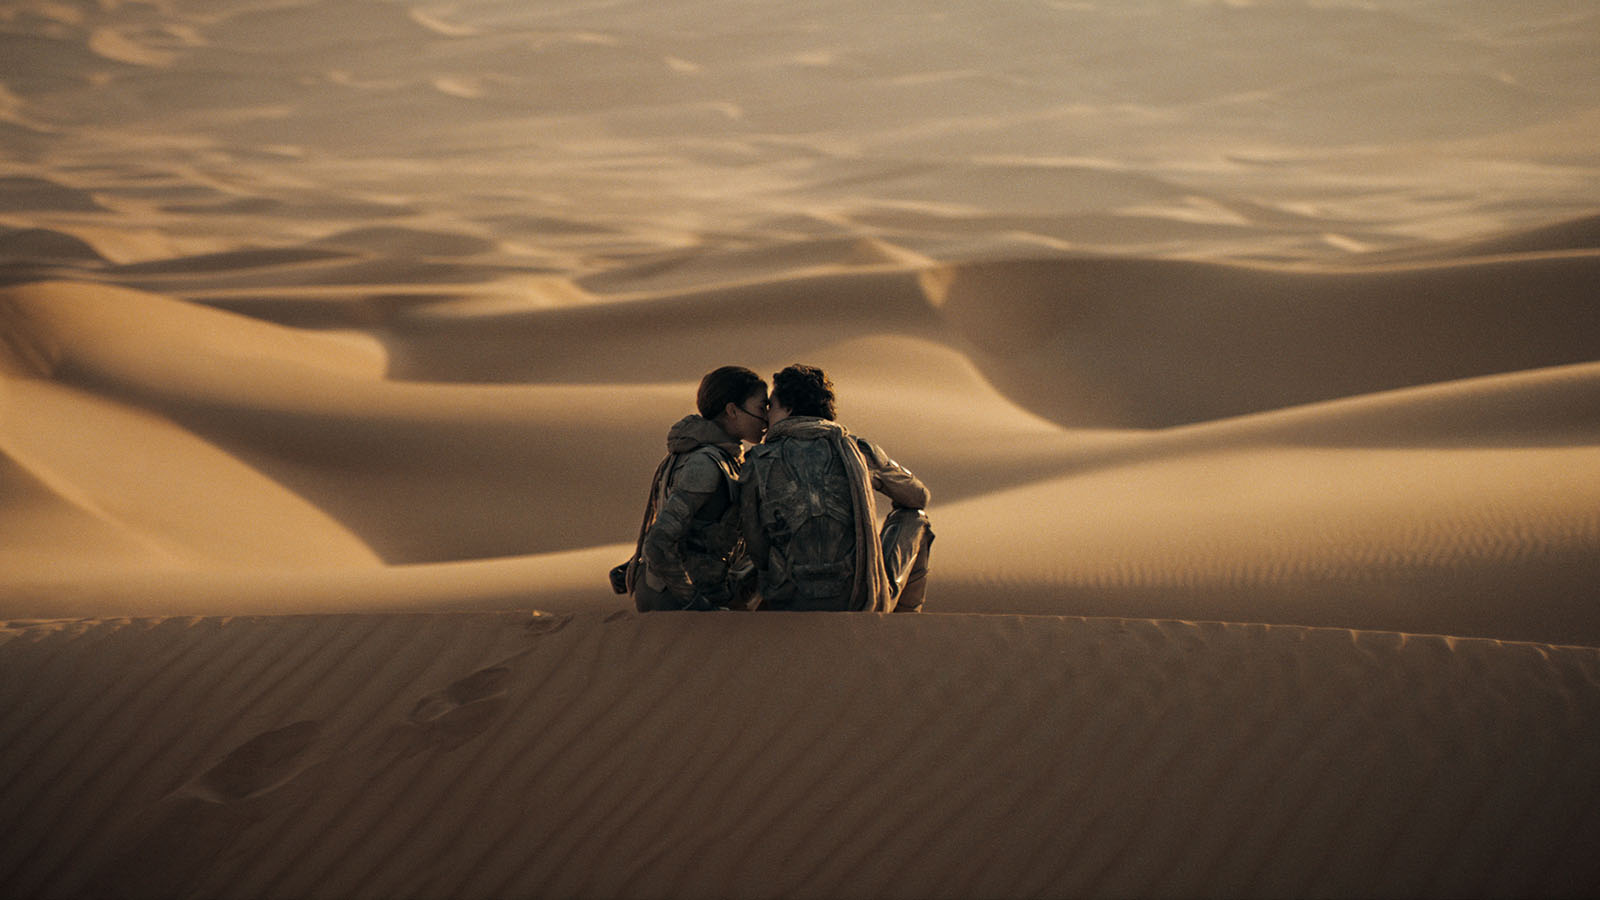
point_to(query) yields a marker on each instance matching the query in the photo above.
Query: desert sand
(1251, 352)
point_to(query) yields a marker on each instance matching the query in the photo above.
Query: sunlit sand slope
(1392, 447)
(796, 755)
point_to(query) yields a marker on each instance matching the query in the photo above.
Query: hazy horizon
(1276, 131)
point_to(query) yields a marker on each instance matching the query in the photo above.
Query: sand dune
(1412, 509)
(159, 486)
(34, 244)
(24, 193)
(1250, 351)
(495, 755)
(1399, 540)
(1573, 234)
(1159, 344)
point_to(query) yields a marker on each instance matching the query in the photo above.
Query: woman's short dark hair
(804, 391)
(729, 384)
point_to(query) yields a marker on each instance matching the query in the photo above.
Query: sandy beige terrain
(1251, 352)
(806, 755)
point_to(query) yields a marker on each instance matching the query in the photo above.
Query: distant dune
(1250, 350)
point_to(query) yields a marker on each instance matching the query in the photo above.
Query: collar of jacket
(804, 428)
(694, 431)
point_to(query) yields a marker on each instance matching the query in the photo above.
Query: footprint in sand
(449, 718)
(480, 685)
(544, 623)
(261, 764)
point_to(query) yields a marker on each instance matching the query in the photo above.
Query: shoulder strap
(658, 488)
(730, 478)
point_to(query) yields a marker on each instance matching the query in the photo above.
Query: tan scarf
(870, 591)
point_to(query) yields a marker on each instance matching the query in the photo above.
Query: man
(809, 519)
(689, 540)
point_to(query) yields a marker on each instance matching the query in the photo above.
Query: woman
(689, 540)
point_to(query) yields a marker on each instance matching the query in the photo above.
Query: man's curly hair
(804, 391)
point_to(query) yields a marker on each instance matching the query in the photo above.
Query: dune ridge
(1143, 342)
(472, 436)
(1091, 756)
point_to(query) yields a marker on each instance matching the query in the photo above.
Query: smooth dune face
(1276, 316)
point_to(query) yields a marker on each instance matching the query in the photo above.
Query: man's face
(776, 412)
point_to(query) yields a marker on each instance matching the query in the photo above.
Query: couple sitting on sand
(790, 525)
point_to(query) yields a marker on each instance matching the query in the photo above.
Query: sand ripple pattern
(489, 755)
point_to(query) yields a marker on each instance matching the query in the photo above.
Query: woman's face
(748, 420)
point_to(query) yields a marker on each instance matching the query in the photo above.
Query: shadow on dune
(659, 338)
(1083, 341)
(1153, 344)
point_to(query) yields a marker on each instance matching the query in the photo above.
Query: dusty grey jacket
(695, 535)
(809, 518)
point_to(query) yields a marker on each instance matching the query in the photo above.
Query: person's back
(806, 515)
(809, 519)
